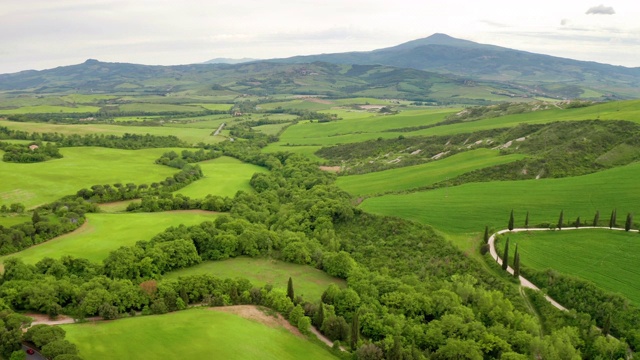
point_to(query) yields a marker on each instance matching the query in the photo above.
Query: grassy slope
(468, 208)
(608, 258)
(50, 109)
(223, 176)
(411, 177)
(307, 281)
(192, 334)
(106, 232)
(38, 183)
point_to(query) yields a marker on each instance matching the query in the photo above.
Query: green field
(218, 107)
(223, 176)
(39, 183)
(159, 108)
(104, 233)
(191, 334)
(608, 258)
(10, 220)
(49, 109)
(308, 282)
(468, 208)
(191, 136)
(411, 177)
(271, 129)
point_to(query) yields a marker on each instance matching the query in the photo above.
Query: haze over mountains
(413, 70)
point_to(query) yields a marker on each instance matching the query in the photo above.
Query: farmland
(607, 258)
(228, 336)
(103, 233)
(308, 282)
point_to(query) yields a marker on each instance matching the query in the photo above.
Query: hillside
(546, 74)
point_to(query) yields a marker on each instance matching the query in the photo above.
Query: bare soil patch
(330, 168)
(260, 315)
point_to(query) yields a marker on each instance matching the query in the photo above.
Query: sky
(42, 34)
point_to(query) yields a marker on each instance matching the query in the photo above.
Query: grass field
(104, 233)
(223, 176)
(270, 129)
(411, 177)
(607, 258)
(192, 136)
(39, 183)
(159, 108)
(218, 107)
(308, 282)
(468, 208)
(308, 151)
(10, 220)
(191, 334)
(49, 109)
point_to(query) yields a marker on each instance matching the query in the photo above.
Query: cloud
(601, 10)
(564, 22)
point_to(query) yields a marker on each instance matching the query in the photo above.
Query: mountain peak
(436, 39)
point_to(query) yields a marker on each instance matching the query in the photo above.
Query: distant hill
(229, 61)
(263, 79)
(444, 54)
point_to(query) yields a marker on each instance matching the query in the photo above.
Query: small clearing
(260, 315)
(334, 169)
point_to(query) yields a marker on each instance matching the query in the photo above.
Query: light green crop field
(608, 258)
(218, 107)
(308, 281)
(40, 183)
(210, 124)
(49, 109)
(411, 177)
(270, 129)
(117, 206)
(104, 233)
(192, 136)
(361, 128)
(308, 151)
(197, 333)
(466, 209)
(86, 98)
(155, 107)
(10, 220)
(223, 176)
(301, 104)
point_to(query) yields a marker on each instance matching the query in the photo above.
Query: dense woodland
(411, 294)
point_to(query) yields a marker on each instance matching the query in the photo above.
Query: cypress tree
(355, 331)
(629, 222)
(486, 234)
(578, 222)
(35, 218)
(526, 221)
(290, 294)
(318, 319)
(505, 256)
(612, 220)
(511, 221)
(515, 255)
(516, 267)
(561, 220)
(596, 218)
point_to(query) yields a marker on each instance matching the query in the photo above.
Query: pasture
(223, 176)
(410, 177)
(608, 258)
(197, 333)
(49, 109)
(466, 209)
(103, 233)
(39, 183)
(308, 282)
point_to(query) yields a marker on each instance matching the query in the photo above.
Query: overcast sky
(40, 34)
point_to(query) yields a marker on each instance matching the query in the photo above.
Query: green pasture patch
(86, 98)
(8, 220)
(116, 206)
(157, 108)
(103, 233)
(49, 109)
(410, 177)
(215, 107)
(136, 118)
(197, 333)
(270, 129)
(223, 176)
(313, 104)
(308, 281)
(308, 151)
(209, 124)
(192, 136)
(608, 258)
(467, 208)
(39, 183)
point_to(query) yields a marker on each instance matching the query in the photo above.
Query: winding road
(524, 282)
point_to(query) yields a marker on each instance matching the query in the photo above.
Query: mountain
(229, 61)
(444, 54)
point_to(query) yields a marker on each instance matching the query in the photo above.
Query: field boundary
(523, 281)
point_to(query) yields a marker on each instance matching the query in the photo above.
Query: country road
(524, 282)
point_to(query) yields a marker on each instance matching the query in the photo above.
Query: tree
(516, 266)
(486, 234)
(290, 293)
(511, 221)
(561, 220)
(526, 221)
(612, 220)
(629, 222)
(578, 222)
(505, 256)
(515, 254)
(35, 218)
(596, 218)
(59, 347)
(355, 330)
(318, 318)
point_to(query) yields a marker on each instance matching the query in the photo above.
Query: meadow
(197, 333)
(49, 109)
(223, 176)
(103, 233)
(308, 282)
(608, 258)
(411, 177)
(39, 183)
(466, 209)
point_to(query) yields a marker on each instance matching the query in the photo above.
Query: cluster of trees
(172, 158)
(21, 153)
(51, 342)
(169, 202)
(126, 141)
